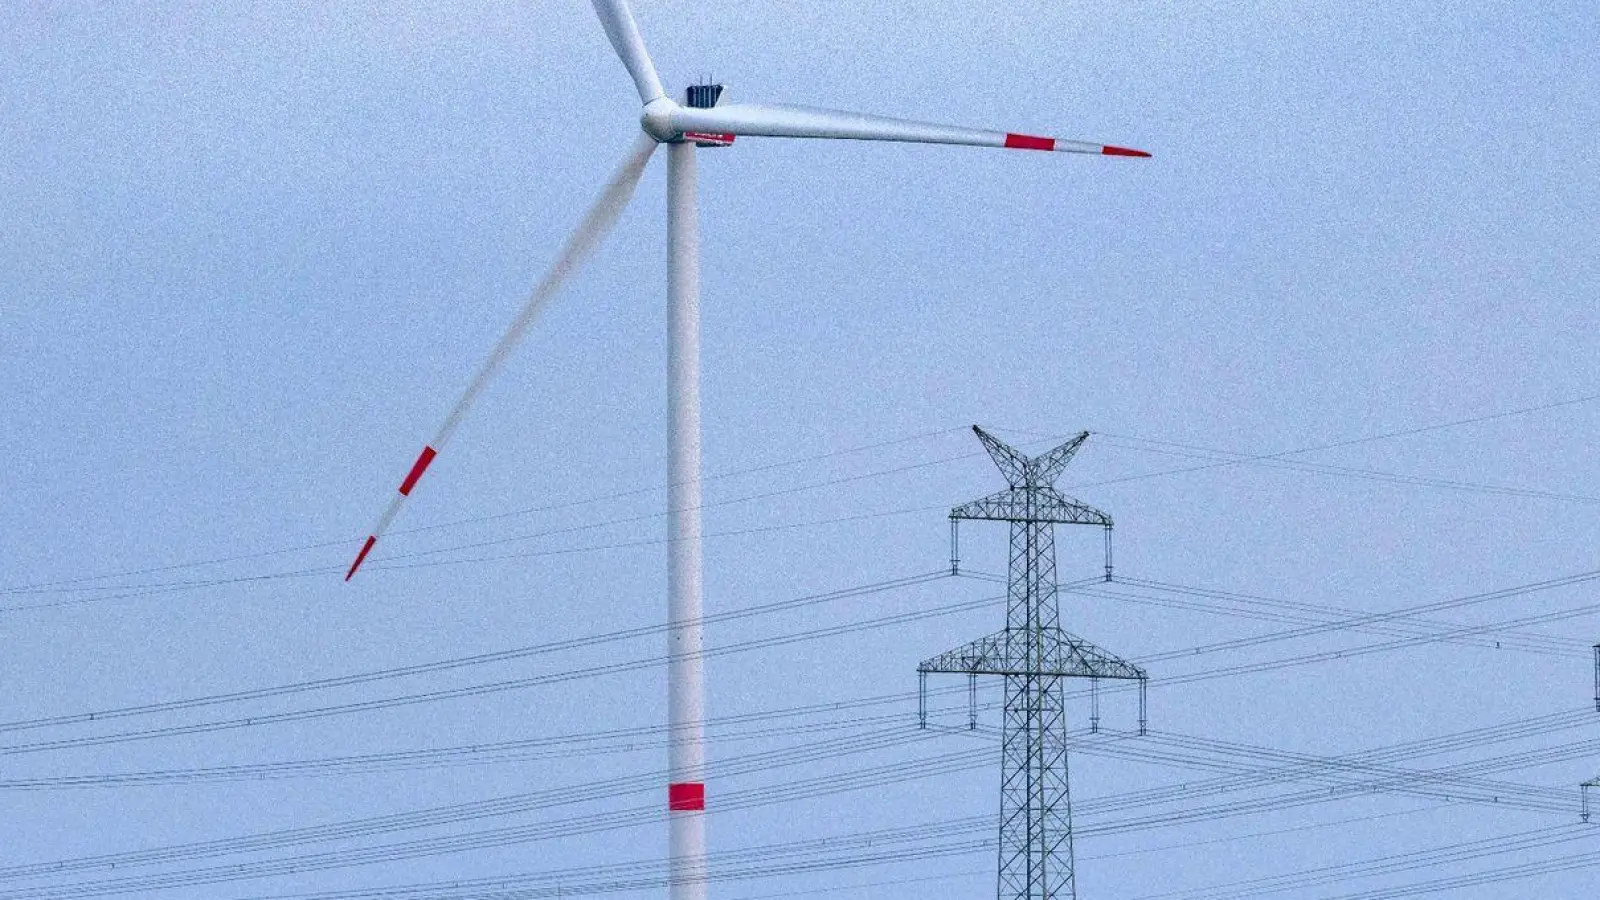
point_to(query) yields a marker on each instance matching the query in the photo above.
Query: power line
(1532, 642)
(1350, 442)
(1185, 653)
(1518, 842)
(479, 659)
(1190, 451)
(1298, 767)
(475, 690)
(341, 541)
(1236, 460)
(478, 886)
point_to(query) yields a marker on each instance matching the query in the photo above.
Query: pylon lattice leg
(1036, 860)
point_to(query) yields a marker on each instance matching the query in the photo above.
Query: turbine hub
(656, 119)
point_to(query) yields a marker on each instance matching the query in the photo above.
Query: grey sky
(250, 254)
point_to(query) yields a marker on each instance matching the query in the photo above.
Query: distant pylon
(1034, 655)
(1593, 782)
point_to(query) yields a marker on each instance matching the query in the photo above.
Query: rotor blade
(773, 120)
(618, 22)
(594, 227)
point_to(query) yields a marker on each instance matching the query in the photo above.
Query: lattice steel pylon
(1593, 782)
(1034, 655)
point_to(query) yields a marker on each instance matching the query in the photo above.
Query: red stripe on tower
(417, 468)
(1122, 151)
(686, 796)
(365, 549)
(1029, 142)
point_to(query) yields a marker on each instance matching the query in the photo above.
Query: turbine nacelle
(662, 118)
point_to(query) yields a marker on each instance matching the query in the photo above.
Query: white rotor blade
(773, 120)
(594, 226)
(618, 22)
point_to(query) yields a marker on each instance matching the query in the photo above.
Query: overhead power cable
(342, 541)
(733, 801)
(481, 689)
(1358, 768)
(479, 659)
(1191, 451)
(1462, 851)
(1530, 641)
(1365, 621)
(1351, 442)
(559, 879)
(322, 570)
(1586, 859)
(862, 741)
(1185, 653)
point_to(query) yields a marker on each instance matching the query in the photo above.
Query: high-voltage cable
(566, 795)
(495, 656)
(1247, 605)
(1176, 654)
(1411, 860)
(1191, 451)
(476, 520)
(1365, 439)
(487, 886)
(498, 837)
(474, 690)
(785, 792)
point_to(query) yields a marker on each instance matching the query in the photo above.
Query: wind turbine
(701, 122)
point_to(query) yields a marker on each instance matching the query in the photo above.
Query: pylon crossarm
(1043, 470)
(1013, 465)
(1012, 652)
(1031, 505)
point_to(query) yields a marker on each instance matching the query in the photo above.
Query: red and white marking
(686, 797)
(412, 477)
(709, 139)
(1031, 142)
(417, 468)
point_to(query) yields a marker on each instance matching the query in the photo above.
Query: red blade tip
(365, 549)
(1122, 151)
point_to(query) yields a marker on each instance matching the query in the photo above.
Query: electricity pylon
(1034, 655)
(1593, 782)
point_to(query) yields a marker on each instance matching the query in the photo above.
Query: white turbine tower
(702, 123)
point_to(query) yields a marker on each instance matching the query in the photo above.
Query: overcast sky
(251, 253)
